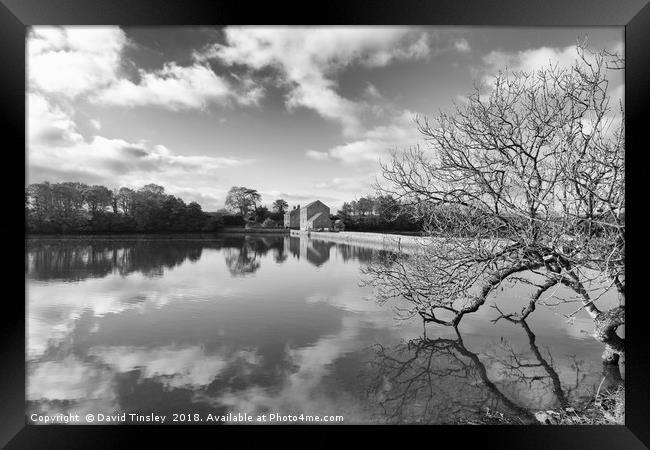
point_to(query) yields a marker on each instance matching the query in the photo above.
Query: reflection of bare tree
(441, 380)
(523, 368)
(435, 381)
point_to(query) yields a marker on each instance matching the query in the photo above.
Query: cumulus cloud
(399, 133)
(74, 60)
(111, 161)
(318, 156)
(68, 66)
(176, 87)
(48, 124)
(534, 59)
(372, 92)
(462, 45)
(58, 152)
(60, 145)
(362, 155)
(531, 59)
(87, 61)
(307, 60)
(353, 184)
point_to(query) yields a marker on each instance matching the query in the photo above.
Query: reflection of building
(316, 252)
(292, 218)
(287, 244)
(314, 216)
(294, 246)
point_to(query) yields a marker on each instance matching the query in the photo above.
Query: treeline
(73, 207)
(383, 213)
(261, 216)
(377, 213)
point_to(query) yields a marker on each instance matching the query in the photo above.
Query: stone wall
(377, 241)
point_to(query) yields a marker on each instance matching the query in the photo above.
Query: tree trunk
(606, 324)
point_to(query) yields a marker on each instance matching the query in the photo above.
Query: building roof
(314, 217)
(313, 203)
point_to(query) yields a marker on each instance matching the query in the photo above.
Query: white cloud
(398, 134)
(534, 59)
(116, 157)
(49, 124)
(363, 156)
(327, 48)
(462, 46)
(74, 60)
(357, 185)
(175, 87)
(372, 92)
(308, 59)
(364, 150)
(58, 152)
(318, 156)
(531, 59)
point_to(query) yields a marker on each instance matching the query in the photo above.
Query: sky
(296, 113)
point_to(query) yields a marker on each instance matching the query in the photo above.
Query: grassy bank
(605, 409)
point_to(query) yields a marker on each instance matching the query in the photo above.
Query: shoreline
(160, 235)
(376, 241)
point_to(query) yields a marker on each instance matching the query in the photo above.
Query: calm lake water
(276, 325)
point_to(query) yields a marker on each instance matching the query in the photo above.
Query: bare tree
(523, 183)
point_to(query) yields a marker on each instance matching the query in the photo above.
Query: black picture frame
(16, 15)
